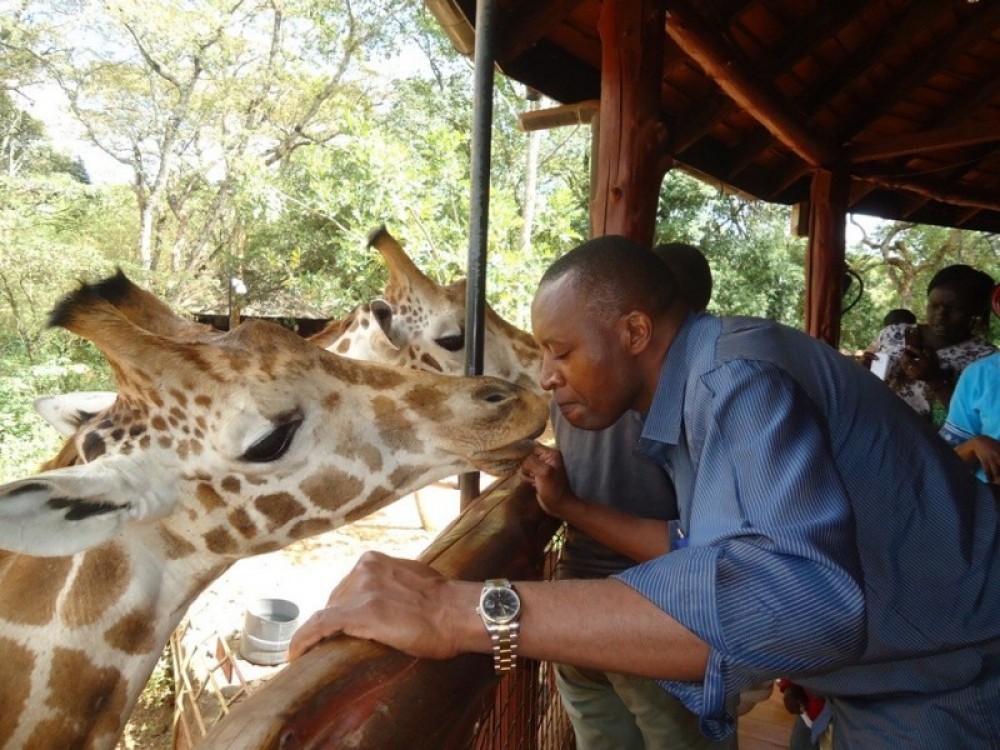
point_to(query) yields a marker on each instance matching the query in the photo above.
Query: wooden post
(825, 258)
(632, 137)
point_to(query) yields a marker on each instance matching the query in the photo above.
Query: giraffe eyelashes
(275, 444)
(451, 343)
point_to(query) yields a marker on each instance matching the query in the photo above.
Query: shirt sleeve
(770, 578)
(963, 421)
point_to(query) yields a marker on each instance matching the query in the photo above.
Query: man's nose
(549, 378)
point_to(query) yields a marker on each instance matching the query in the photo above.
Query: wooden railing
(349, 693)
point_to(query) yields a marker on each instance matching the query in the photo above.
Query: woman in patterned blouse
(926, 358)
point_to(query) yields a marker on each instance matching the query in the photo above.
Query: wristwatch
(500, 609)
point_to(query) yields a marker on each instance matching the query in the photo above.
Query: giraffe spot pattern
(93, 446)
(334, 492)
(210, 499)
(231, 484)
(429, 403)
(133, 633)
(428, 360)
(310, 527)
(264, 547)
(376, 498)
(220, 541)
(15, 685)
(176, 547)
(351, 447)
(394, 428)
(78, 688)
(279, 508)
(31, 586)
(101, 579)
(240, 520)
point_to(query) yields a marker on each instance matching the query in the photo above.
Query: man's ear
(637, 331)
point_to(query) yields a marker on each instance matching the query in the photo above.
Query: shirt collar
(663, 422)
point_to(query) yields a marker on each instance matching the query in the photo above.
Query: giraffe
(217, 446)
(421, 324)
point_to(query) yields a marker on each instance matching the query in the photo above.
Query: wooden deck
(767, 726)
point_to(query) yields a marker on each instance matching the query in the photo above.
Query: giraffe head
(423, 326)
(217, 446)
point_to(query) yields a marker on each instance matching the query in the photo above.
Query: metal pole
(479, 209)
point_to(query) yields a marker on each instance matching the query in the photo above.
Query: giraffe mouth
(505, 459)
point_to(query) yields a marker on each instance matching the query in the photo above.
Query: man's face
(586, 364)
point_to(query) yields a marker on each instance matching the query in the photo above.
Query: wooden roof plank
(521, 30)
(975, 29)
(702, 44)
(925, 141)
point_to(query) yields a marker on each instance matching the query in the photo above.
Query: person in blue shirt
(856, 556)
(973, 423)
(610, 710)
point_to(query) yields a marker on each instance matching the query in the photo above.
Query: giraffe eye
(274, 445)
(451, 343)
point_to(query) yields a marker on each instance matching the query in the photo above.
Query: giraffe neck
(80, 636)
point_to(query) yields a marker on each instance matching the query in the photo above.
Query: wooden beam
(986, 200)
(523, 26)
(965, 216)
(581, 113)
(825, 258)
(969, 134)
(631, 136)
(703, 44)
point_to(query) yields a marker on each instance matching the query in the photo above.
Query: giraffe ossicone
(218, 446)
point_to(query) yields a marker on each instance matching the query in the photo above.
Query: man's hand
(544, 470)
(401, 603)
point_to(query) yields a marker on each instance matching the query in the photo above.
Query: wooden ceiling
(757, 93)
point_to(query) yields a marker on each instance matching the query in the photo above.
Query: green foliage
(26, 440)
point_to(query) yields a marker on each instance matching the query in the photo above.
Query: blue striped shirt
(833, 537)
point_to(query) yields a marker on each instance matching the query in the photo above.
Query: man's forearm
(599, 624)
(639, 539)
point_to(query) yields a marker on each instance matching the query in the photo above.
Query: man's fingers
(321, 625)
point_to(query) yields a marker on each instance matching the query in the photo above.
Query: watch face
(501, 605)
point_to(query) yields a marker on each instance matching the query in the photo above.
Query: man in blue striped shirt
(826, 533)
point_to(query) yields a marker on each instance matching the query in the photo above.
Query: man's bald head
(614, 275)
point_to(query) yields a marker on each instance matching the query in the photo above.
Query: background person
(973, 423)
(926, 359)
(805, 528)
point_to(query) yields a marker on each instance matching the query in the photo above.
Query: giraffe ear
(67, 411)
(66, 511)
